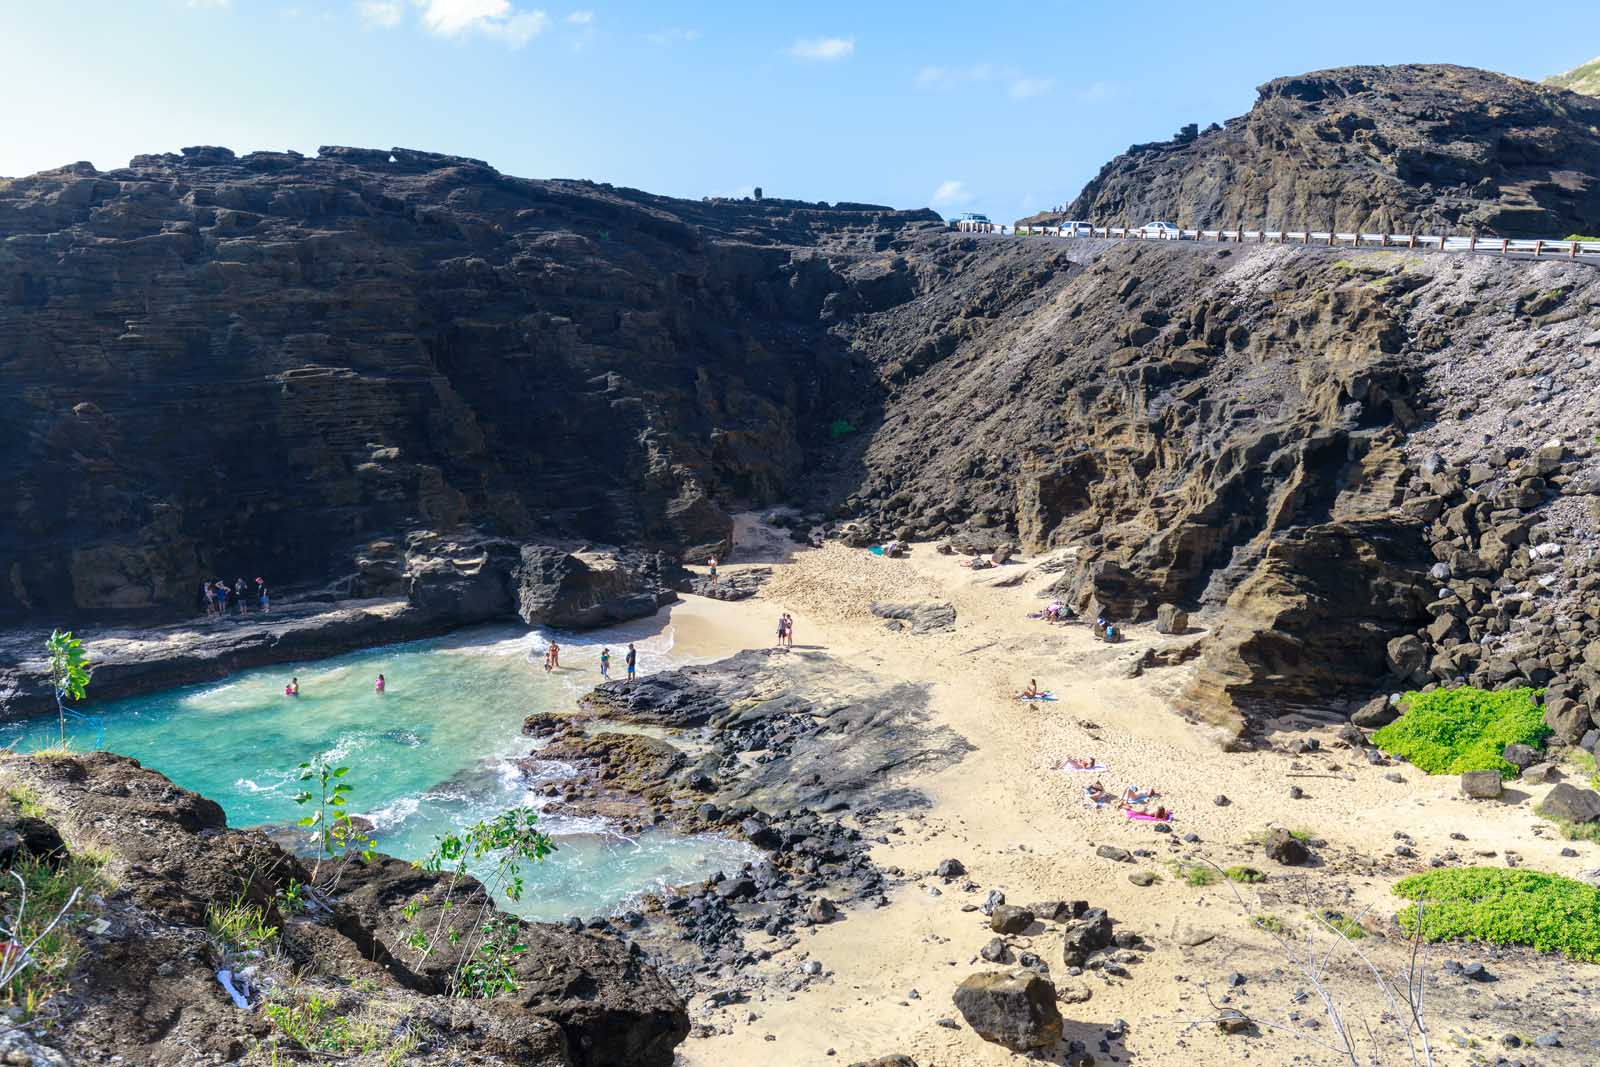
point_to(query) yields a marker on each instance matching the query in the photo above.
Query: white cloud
(581, 18)
(209, 3)
(673, 35)
(385, 14)
(491, 18)
(823, 49)
(950, 193)
(1098, 91)
(1028, 88)
(1019, 84)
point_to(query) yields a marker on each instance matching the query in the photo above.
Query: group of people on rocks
(218, 598)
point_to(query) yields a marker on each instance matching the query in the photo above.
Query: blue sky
(1003, 106)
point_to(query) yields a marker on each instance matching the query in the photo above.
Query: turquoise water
(429, 754)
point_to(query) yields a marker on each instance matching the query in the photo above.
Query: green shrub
(1271, 924)
(1343, 924)
(55, 949)
(239, 927)
(1198, 875)
(1572, 831)
(1505, 906)
(1244, 874)
(1450, 731)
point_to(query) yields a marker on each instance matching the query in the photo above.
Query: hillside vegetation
(1583, 79)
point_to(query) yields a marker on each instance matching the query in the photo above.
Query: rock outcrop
(214, 365)
(1418, 148)
(146, 989)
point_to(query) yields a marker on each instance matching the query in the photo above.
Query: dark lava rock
(995, 951)
(1567, 801)
(924, 618)
(1285, 848)
(887, 1061)
(1085, 936)
(1353, 148)
(1015, 1010)
(1112, 852)
(1482, 785)
(951, 868)
(580, 591)
(1520, 756)
(1010, 919)
(1375, 713)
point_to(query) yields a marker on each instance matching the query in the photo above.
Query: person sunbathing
(1133, 796)
(1096, 794)
(1077, 764)
(1159, 813)
(1031, 692)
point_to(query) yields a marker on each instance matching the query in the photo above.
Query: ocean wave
(393, 813)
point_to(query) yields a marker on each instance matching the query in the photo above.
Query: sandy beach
(1018, 823)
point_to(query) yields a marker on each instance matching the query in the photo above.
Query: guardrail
(1503, 246)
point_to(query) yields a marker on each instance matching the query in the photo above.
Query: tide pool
(431, 753)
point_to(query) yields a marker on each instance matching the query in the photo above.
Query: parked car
(970, 216)
(1073, 228)
(1164, 231)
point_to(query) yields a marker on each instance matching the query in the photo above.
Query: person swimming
(379, 685)
(293, 688)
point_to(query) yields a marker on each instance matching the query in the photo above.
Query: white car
(1163, 231)
(1072, 228)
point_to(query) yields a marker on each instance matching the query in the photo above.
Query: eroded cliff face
(1403, 149)
(219, 366)
(1233, 430)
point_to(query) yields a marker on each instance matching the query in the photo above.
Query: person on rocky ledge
(632, 660)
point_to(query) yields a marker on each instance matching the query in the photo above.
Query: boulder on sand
(1171, 619)
(1017, 1010)
(1375, 713)
(1287, 849)
(1481, 785)
(1572, 804)
(582, 590)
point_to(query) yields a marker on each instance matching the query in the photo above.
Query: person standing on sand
(261, 591)
(713, 566)
(605, 663)
(782, 621)
(379, 686)
(632, 660)
(788, 630)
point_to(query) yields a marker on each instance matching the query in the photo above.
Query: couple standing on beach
(786, 630)
(631, 660)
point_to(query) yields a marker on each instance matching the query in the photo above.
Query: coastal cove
(441, 749)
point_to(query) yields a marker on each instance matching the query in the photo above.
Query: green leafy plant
(493, 851)
(1270, 923)
(27, 801)
(332, 830)
(840, 428)
(68, 667)
(1505, 906)
(292, 897)
(1247, 875)
(239, 926)
(1451, 731)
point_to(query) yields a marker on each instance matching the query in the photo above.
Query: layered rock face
(218, 366)
(1238, 430)
(1419, 148)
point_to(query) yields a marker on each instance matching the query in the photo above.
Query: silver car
(1162, 231)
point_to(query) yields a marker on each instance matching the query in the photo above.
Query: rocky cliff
(220, 366)
(1414, 148)
(1248, 432)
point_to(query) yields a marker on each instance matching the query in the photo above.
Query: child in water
(378, 686)
(605, 663)
(293, 688)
